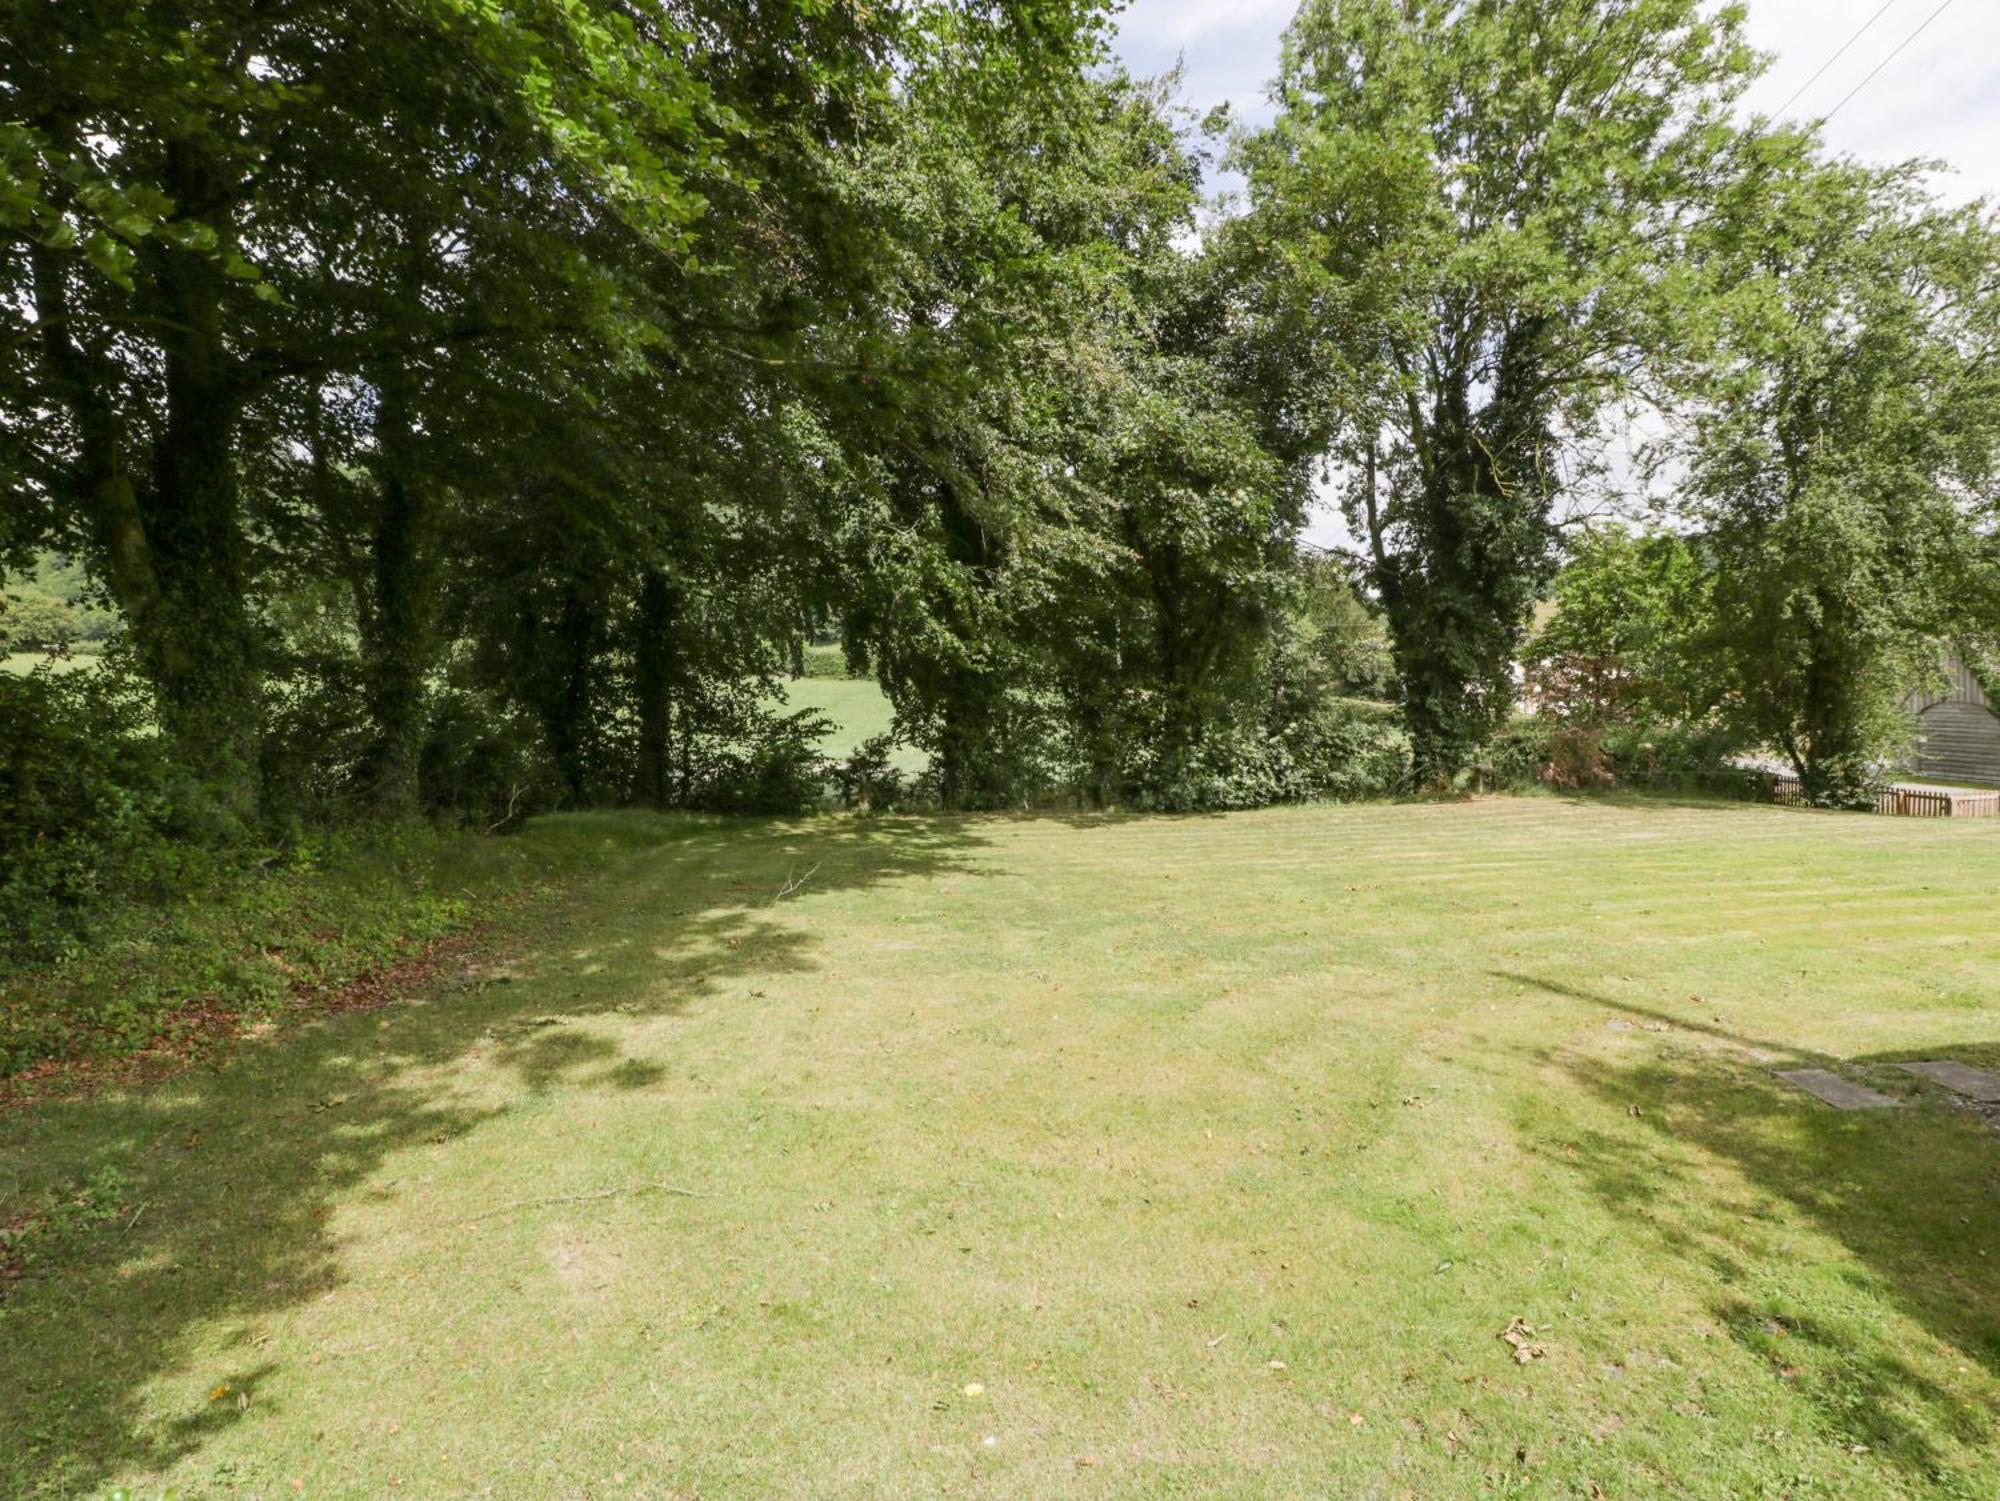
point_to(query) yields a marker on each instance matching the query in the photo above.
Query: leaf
(1520, 1334)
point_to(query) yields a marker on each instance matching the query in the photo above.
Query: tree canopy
(477, 408)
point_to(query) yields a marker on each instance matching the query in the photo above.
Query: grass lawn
(21, 663)
(1075, 1157)
(858, 708)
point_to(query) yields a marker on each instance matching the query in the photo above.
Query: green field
(23, 662)
(858, 708)
(1075, 1157)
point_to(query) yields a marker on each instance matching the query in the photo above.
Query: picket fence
(1908, 802)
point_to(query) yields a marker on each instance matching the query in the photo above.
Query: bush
(1322, 749)
(49, 610)
(315, 735)
(1348, 750)
(775, 766)
(1576, 759)
(1518, 756)
(1682, 759)
(823, 662)
(868, 780)
(89, 808)
(250, 938)
(483, 763)
(1541, 749)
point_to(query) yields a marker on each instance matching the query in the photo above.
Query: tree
(210, 205)
(1465, 220)
(1075, 535)
(289, 259)
(1843, 469)
(1632, 613)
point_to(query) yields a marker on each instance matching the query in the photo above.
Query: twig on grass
(793, 884)
(602, 1193)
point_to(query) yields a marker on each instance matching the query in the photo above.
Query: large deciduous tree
(206, 204)
(1465, 220)
(1844, 466)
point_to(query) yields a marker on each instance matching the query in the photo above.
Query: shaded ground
(1078, 1157)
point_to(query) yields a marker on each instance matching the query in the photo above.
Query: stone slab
(1960, 1078)
(1842, 1094)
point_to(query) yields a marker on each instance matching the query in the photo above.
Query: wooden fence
(1908, 802)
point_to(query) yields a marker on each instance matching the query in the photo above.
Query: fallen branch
(513, 803)
(602, 1193)
(793, 884)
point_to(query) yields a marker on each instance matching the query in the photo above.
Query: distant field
(859, 709)
(1076, 1158)
(857, 706)
(24, 662)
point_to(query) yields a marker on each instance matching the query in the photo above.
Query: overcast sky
(1939, 97)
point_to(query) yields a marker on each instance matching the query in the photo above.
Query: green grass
(21, 663)
(1075, 1157)
(858, 708)
(335, 906)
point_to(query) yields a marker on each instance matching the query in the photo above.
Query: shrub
(1518, 756)
(1682, 759)
(868, 780)
(1322, 749)
(89, 808)
(483, 762)
(774, 766)
(315, 734)
(823, 661)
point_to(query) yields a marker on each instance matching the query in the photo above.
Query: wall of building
(1958, 731)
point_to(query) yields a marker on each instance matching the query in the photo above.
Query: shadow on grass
(183, 1210)
(1912, 1195)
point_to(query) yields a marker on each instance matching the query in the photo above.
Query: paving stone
(1842, 1094)
(1960, 1078)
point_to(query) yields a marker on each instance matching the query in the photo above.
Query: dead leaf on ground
(1520, 1334)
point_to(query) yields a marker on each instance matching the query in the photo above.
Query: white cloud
(1939, 97)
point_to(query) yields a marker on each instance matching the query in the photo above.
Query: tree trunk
(196, 640)
(398, 630)
(656, 669)
(173, 552)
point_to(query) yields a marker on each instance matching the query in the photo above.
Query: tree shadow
(167, 1212)
(1912, 1195)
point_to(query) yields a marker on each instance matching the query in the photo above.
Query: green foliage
(1632, 614)
(869, 779)
(473, 410)
(1465, 234)
(91, 809)
(51, 608)
(243, 937)
(822, 661)
(1346, 636)
(1838, 464)
(774, 765)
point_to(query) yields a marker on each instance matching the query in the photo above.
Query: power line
(1945, 6)
(1859, 33)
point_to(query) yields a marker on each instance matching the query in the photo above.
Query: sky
(1939, 97)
